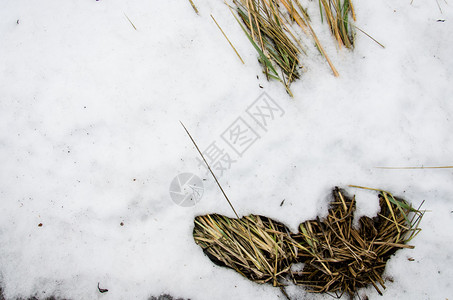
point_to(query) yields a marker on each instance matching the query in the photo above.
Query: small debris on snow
(102, 290)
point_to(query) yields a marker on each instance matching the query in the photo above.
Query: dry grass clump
(338, 256)
(271, 38)
(272, 27)
(268, 26)
(337, 14)
(256, 247)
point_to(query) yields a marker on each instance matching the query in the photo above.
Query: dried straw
(337, 14)
(255, 246)
(267, 24)
(193, 6)
(339, 257)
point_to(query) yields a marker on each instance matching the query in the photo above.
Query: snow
(90, 137)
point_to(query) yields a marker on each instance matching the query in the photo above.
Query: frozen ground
(90, 138)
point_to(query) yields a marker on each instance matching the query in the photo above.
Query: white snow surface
(90, 137)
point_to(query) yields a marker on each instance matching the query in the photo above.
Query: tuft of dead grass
(272, 27)
(255, 246)
(337, 14)
(338, 256)
(268, 26)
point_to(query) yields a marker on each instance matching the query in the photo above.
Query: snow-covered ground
(90, 139)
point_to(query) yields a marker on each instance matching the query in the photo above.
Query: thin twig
(414, 168)
(212, 173)
(334, 70)
(438, 5)
(282, 289)
(227, 39)
(367, 35)
(130, 21)
(193, 6)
